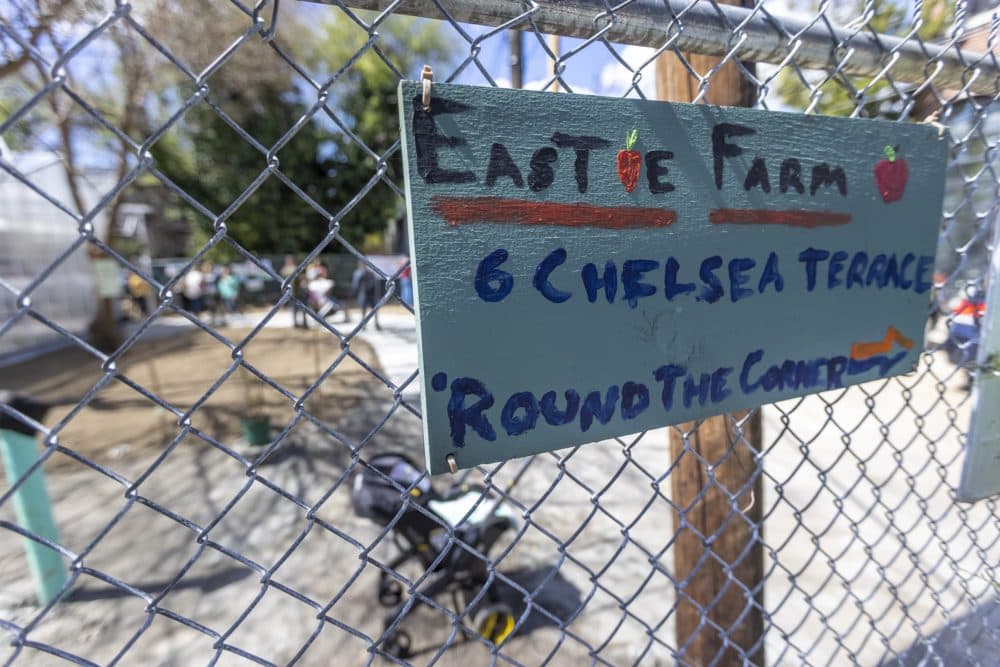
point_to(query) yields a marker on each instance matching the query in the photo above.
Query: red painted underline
(462, 211)
(793, 217)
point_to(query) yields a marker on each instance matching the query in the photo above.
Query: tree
(31, 20)
(837, 98)
(50, 29)
(135, 89)
(366, 107)
(210, 161)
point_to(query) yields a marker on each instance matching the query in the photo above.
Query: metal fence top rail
(753, 35)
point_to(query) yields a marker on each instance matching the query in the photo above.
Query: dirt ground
(181, 365)
(177, 519)
(190, 549)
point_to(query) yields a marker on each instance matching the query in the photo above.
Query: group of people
(216, 290)
(212, 289)
(204, 288)
(314, 288)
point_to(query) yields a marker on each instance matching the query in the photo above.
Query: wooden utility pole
(516, 59)
(554, 48)
(718, 555)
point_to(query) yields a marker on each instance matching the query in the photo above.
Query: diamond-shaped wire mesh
(184, 544)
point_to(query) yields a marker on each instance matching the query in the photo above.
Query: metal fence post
(718, 558)
(31, 501)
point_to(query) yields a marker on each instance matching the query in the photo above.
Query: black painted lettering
(542, 174)
(791, 176)
(501, 165)
(721, 149)
(757, 176)
(823, 176)
(582, 145)
(654, 170)
(428, 140)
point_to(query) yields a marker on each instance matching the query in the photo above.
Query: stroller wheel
(390, 592)
(495, 623)
(398, 644)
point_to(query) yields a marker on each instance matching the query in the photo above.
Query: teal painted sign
(587, 267)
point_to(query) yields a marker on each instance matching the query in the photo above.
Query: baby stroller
(423, 536)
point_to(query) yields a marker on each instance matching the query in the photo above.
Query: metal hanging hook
(427, 76)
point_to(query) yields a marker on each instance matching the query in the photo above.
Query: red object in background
(973, 307)
(891, 175)
(629, 162)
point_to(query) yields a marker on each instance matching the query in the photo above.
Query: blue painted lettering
(876, 271)
(810, 256)
(771, 275)
(544, 270)
(924, 266)
(907, 260)
(672, 288)
(493, 284)
(713, 286)
(522, 400)
(699, 390)
(592, 283)
(554, 416)
(719, 391)
(856, 271)
(751, 359)
(635, 399)
(891, 272)
(632, 271)
(835, 368)
(836, 266)
(460, 415)
(593, 407)
(737, 278)
(668, 375)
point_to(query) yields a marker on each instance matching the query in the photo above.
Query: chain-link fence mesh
(184, 544)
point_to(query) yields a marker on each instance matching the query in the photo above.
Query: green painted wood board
(34, 513)
(496, 366)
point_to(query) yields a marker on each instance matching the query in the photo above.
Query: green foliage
(212, 163)
(210, 160)
(365, 103)
(883, 16)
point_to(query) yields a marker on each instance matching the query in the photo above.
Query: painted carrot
(629, 162)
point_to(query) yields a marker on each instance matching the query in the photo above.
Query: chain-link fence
(186, 543)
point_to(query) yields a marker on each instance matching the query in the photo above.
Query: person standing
(139, 291)
(228, 287)
(192, 288)
(298, 294)
(365, 289)
(302, 298)
(209, 289)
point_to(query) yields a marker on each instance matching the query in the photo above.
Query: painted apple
(890, 176)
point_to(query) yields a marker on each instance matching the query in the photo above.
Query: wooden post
(516, 59)
(554, 48)
(718, 555)
(31, 501)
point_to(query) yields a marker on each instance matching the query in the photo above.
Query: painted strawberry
(890, 176)
(629, 162)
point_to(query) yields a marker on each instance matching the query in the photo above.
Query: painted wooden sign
(588, 267)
